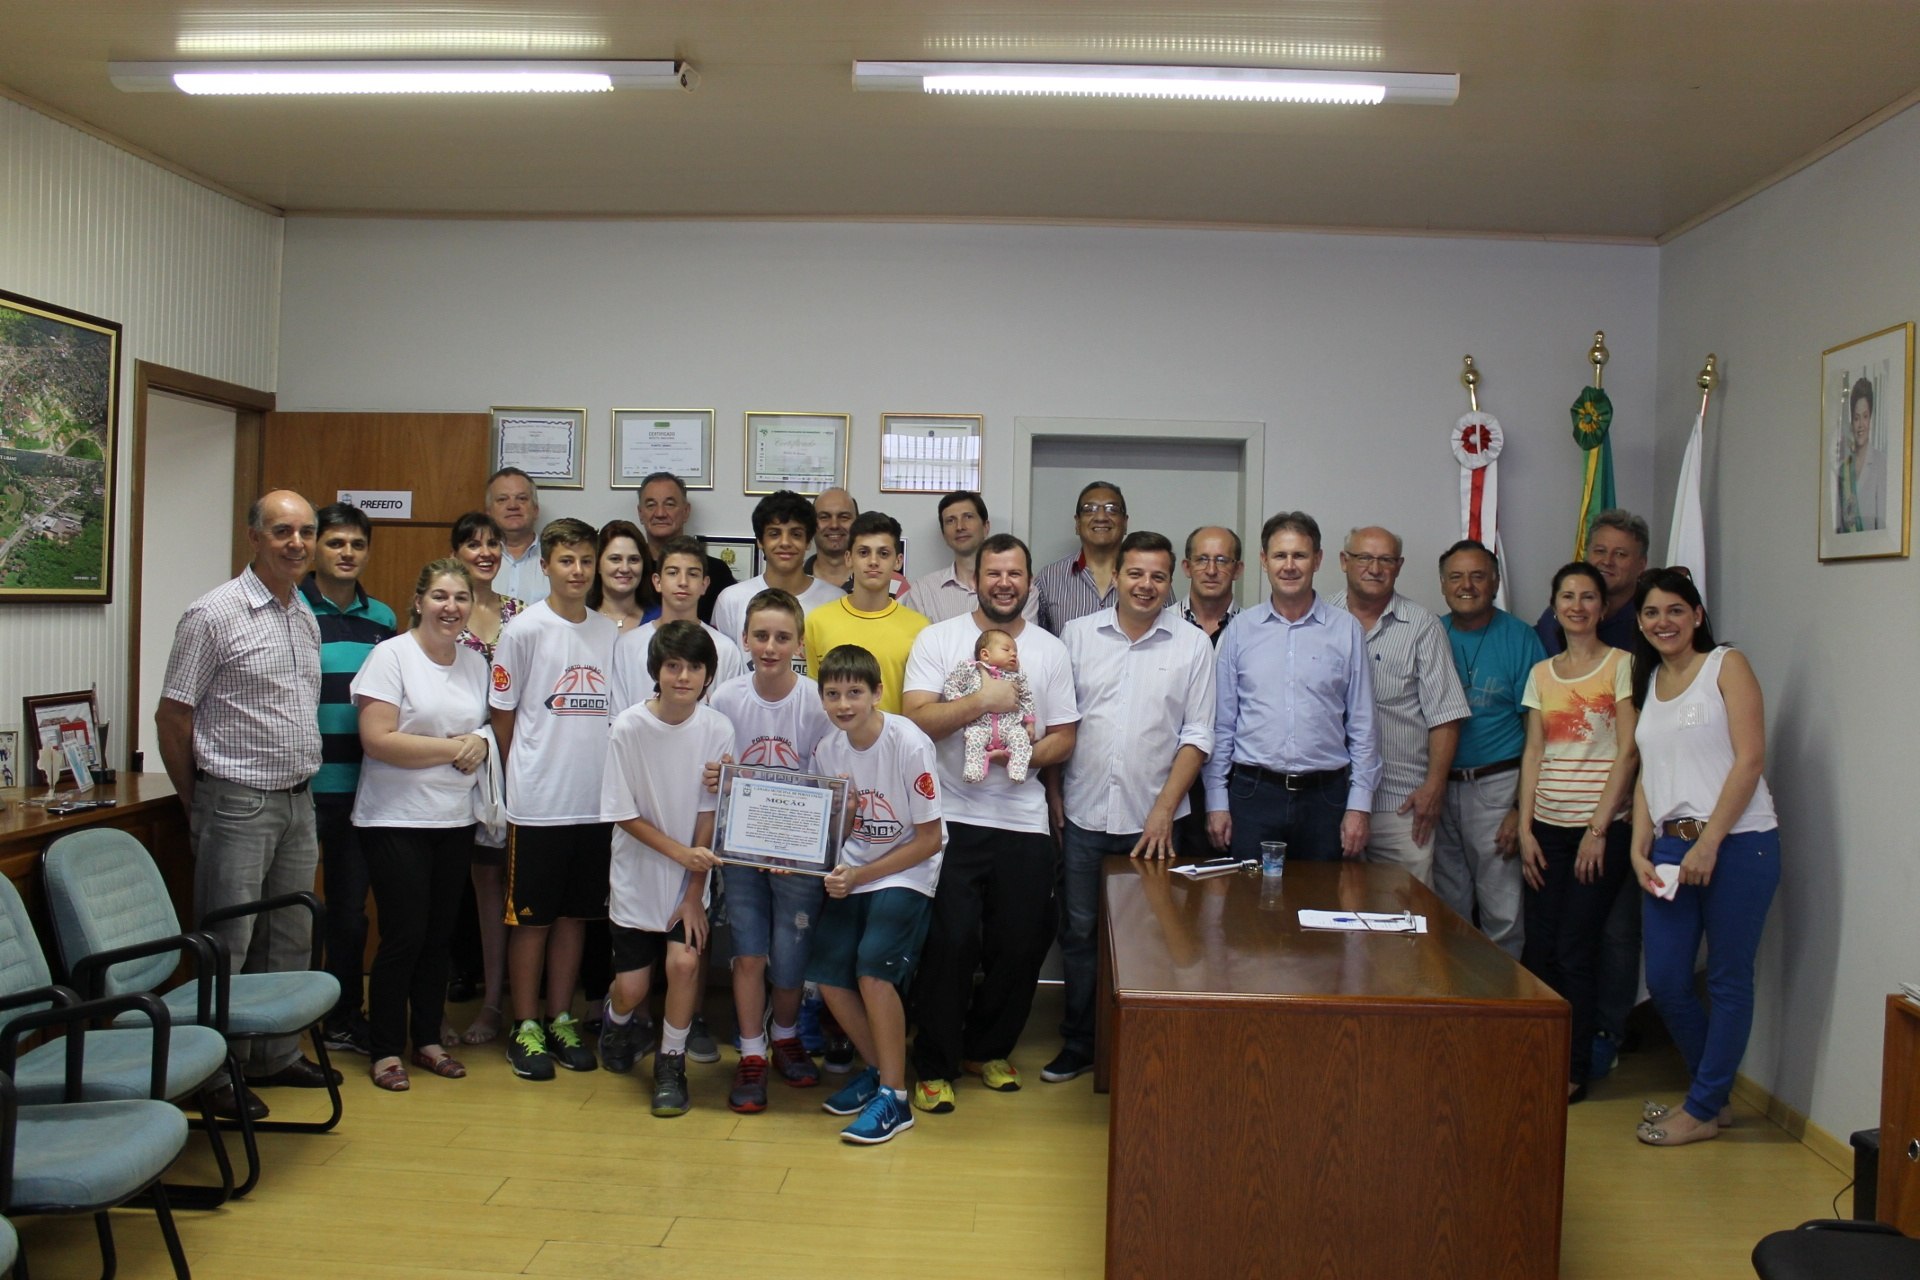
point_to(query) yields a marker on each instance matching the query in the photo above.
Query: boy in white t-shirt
(880, 896)
(783, 524)
(680, 581)
(777, 721)
(652, 791)
(550, 705)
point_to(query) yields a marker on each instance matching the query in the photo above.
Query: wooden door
(441, 458)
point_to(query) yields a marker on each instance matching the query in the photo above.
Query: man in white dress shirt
(963, 527)
(1144, 682)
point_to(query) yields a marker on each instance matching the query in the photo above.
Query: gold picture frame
(931, 452)
(805, 452)
(1865, 431)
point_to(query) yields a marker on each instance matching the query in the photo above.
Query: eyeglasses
(1213, 562)
(1094, 508)
(1360, 560)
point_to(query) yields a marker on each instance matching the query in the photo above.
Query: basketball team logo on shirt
(924, 785)
(874, 821)
(580, 691)
(771, 752)
(501, 680)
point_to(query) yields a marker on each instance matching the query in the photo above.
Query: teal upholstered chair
(117, 933)
(89, 1157)
(119, 1061)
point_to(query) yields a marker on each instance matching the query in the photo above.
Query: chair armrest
(59, 995)
(261, 906)
(210, 971)
(76, 1017)
(9, 1115)
(1850, 1224)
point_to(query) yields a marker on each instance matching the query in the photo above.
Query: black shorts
(556, 872)
(642, 948)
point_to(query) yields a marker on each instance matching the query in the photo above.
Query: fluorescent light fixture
(380, 77)
(1221, 84)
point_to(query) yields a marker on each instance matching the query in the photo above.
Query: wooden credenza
(146, 806)
(1899, 1187)
(1292, 1103)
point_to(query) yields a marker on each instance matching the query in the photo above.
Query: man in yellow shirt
(869, 617)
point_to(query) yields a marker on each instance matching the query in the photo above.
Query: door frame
(250, 408)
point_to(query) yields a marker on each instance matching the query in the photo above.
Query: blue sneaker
(809, 1021)
(879, 1121)
(854, 1095)
(1605, 1054)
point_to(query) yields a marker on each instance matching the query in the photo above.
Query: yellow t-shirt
(888, 635)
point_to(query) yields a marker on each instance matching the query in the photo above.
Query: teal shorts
(869, 935)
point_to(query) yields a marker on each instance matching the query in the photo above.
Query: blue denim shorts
(871, 935)
(773, 916)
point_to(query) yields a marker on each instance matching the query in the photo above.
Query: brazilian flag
(1592, 417)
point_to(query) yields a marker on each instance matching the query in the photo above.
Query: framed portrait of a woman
(1866, 446)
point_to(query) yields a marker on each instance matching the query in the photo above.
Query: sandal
(1654, 1112)
(446, 1065)
(485, 1028)
(392, 1078)
(1655, 1136)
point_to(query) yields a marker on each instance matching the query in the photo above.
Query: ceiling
(1575, 118)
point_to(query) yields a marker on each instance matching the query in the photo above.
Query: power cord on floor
(1836, 1196)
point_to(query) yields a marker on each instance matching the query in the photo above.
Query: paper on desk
(1363, 921)
(1669, 876)
(1207, 870)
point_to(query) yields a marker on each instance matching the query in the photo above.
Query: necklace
(1473, 659)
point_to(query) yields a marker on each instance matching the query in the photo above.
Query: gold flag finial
(1709, 376)
(1598, 355)
(1470, 379)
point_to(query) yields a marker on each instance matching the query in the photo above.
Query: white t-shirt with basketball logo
(632, 684)
(730, 611)
(772, 735)
(895, 788)
(555, 676)
(653, 772)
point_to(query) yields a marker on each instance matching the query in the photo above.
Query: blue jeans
(773, 916)
(1081, 853)
(1730, 909)
(1262, 809)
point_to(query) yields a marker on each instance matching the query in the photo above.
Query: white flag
(1687, 537)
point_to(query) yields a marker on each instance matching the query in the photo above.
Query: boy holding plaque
(777, 721)
(880, 895)
(653, 792)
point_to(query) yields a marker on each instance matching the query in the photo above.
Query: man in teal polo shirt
(351, 623)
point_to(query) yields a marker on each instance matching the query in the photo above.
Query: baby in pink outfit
(995, 657)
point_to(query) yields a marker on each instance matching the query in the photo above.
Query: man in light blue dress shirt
(1295, 756)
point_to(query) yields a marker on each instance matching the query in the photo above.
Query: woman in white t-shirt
(422, 698)
(1706, 845)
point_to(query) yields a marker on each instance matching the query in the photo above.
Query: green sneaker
(567, 1047)
(935, 1097)
(527, 1052)
(997, 1074)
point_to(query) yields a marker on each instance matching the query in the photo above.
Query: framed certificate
(779, 820)
(930, 452)
(805, 452)
(646, 441)
(742, 555)
(544, 443)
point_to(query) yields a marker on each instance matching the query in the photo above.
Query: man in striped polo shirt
(351, 623)
(1417, 699)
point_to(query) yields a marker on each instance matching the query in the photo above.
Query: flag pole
(1598, 355)
(1709, 379)
(1470, 379)
(1687, 536)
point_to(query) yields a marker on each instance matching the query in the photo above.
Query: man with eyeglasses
(1083, 583)
(963, 527)
(1213, 566)
(1417, 700)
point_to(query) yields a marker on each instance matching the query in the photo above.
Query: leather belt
(1683, 828)
(1295, 781)
(1483, 770)
(201, 775)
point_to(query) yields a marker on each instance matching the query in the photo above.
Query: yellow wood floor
(495, 1176)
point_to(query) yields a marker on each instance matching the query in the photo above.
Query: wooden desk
(147, 806)
(1898, 1192)
(1291, 1103)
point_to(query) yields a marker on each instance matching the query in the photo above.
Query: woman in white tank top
(1706, 848)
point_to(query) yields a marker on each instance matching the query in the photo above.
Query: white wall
(1823, 258)
(1347, 346)
(192, 277)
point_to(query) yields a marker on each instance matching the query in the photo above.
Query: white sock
(899, 1095)
(673, 1039)
(784, 1033)
(621, 1019)
(753, 1046)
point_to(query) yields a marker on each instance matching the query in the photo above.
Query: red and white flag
(1477, 439)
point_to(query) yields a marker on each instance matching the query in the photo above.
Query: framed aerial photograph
(647, 441)
(61, 720)
(804, 452)
(59, 432)
(1866, 446)
(547, 444)
(930, 452)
